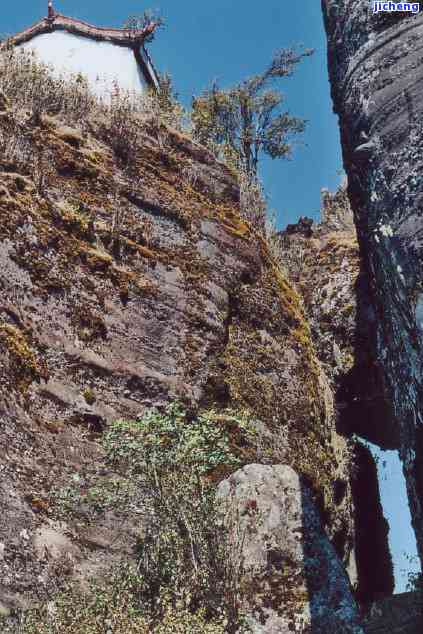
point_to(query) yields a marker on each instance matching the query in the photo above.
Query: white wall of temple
(102, 63)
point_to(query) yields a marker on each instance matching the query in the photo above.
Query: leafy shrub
(169, 441)
(111, 606)
(184, 580)
(245, 121)
(183, 550)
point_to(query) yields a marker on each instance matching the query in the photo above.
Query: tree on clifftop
(242, 122)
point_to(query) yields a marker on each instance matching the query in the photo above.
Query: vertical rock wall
(376, 73)
(323, 261)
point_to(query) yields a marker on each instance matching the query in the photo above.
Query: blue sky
(229, 40)
(393, 496)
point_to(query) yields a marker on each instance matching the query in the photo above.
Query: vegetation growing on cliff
(237, 124)
(245, 121)
(241, 123)
(145, 282)
(183, 579)
(112, 605)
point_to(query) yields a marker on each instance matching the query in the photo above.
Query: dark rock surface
(376, 76)
(401, 614)
(304, 227)
(374, 562)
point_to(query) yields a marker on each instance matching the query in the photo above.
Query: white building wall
(102, 63)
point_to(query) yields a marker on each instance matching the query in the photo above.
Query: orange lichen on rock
(24, 365)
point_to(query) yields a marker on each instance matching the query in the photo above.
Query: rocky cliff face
(122, 291)
(375, 72)
(324, 263)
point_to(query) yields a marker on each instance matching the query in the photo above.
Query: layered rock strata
(122, 290)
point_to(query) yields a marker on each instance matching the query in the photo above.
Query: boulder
(291, 579)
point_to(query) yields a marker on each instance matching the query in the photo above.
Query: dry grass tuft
(32, 94)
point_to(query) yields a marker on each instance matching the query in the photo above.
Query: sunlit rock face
(189, 307)
(376, 75)
(103, 63)
(292, 579)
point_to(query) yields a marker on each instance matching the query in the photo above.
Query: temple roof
(131, 38)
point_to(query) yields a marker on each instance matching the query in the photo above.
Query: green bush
(110, 607)
(183, 551)
(184, 580)
(170, 441)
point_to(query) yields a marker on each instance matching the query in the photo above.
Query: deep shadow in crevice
(361, 400)
(373, 556)
(363, 410)
(340, 489)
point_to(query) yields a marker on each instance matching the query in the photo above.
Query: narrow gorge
(188, 398)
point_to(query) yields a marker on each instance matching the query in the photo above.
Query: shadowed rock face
(401, 614)
(376, 76)
(325, 267)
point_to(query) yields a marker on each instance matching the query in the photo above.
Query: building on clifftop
(105, 56)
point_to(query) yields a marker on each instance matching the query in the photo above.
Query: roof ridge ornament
(51, 13)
